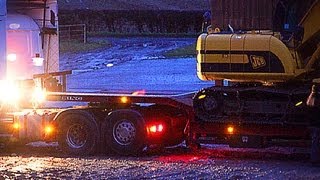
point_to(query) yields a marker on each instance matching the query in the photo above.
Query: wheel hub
(76, 136)
(124, 132)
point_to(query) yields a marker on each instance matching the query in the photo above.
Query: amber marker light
(299, 103)
(230, 130)
(48, 129)
(16, 126)
(124, 100)
(202, 96)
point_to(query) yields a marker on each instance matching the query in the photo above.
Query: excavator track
(279, 104)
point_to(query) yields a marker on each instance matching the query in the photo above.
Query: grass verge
(112, 34)
(187, 51)
(75, 46)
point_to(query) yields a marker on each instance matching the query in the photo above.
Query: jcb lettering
(257, 61)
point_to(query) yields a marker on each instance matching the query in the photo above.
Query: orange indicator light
(124, 100)
(230, 130)
(48, 129)
(16, 125)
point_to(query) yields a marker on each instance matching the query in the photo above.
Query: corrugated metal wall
(242, 14)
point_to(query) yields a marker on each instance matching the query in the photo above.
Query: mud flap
(246, 141)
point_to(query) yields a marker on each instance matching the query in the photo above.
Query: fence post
(69, 32)
(84, 33)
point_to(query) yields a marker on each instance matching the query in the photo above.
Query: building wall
(242, 14)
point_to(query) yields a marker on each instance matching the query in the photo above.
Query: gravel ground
(176, 163)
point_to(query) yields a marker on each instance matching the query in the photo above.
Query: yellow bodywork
(244, 57)
(311, 22)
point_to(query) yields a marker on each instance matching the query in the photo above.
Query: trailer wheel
(77, 133)
(126, 132)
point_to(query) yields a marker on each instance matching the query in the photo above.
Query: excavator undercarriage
(280, 104)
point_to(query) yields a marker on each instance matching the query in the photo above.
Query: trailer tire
(78, 133)
(126, 132)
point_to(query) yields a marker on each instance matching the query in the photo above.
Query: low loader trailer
(123, 123)
(29, 78)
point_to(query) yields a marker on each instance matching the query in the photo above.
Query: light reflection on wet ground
(177, 163)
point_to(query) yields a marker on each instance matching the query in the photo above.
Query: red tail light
(155, 128)
(160, 128)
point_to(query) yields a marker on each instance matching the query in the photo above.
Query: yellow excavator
(270, 72)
